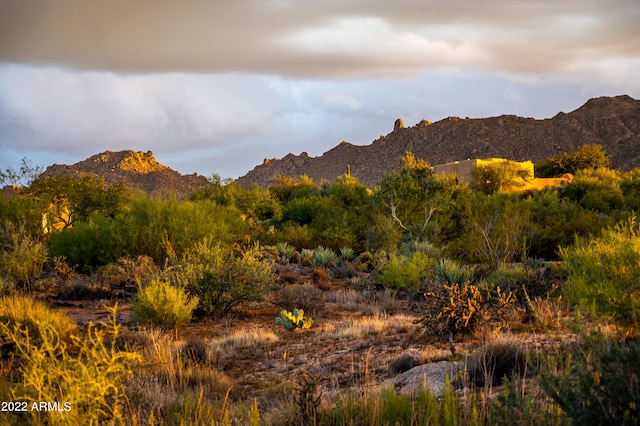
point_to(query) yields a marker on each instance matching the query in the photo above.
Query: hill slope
(138, 170)
(613, 122)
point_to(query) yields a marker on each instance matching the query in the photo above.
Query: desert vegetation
(424, 300)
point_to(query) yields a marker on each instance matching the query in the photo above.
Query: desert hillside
(613, 122)
(138, 170)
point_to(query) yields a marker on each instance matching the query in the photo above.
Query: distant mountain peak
(137, 169)
(613, 122)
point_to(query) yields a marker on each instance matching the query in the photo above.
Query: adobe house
(462, 169)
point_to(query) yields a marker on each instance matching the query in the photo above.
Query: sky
(215, 87)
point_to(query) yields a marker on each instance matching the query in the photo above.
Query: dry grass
(245, 338)
(361, 328)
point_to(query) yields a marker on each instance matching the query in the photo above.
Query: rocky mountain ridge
(613, 122)
(137, 169)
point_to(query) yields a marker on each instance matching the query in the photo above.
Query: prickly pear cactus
(294, 320)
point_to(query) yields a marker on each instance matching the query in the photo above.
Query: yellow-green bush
(32, 317)
(84, 376)
(163, 304)
(405, 272)
(603, 272)
(21, 255)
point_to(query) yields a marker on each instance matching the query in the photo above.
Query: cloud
(48, 108)
(345, 39)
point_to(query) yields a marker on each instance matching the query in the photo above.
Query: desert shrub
(195, 351)
(595, 380)
(79, 199)
(164, 305)
(589, 156)
(602, 271)
(31, 316)
(85, 376)
(344, 270)
(556, 222)
(596, 189)
(163, 228)
(495, 360)
(493, 177)
(523, 402)
(383, 234)
(630, 186)
(496, 233)
(449, 271)
(304, 296)
(221, 279)
(89, 245)
(405, 272)
(295, 234)
(460, 309)
(508, 278)
(22, 257)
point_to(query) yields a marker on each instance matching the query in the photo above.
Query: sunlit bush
(405, 272)
(164, 305)
(603, 272)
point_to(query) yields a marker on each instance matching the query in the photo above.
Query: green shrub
(221, 279)
(449, 271)
(405, 272)
(85, 376)
(602, 271)
(164, 305)
(596, 189)
(89, 245)
(595, 380)
(589, 156)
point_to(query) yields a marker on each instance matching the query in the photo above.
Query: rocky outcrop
(613, 122)
(137, 169)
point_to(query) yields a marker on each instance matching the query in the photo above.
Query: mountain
(613, 122)
(138, 170)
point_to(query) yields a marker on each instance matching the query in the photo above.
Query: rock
(432, 375)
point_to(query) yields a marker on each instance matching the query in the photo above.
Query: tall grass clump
(32, 317)
(85, 376)
(21, 255)
(603, 272)
(164, 305)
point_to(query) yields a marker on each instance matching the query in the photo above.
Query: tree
(590, 156)
(414, 196)
(76, 199)
(22, 177)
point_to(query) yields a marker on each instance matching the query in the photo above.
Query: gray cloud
(322, 39)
